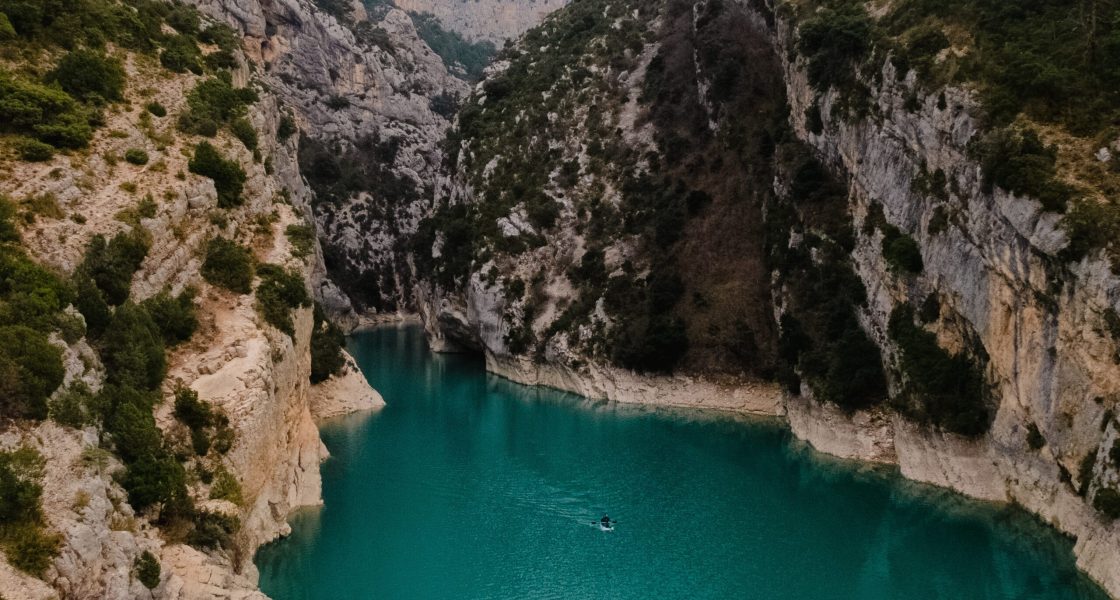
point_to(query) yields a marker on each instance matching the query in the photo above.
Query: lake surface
(468, 486)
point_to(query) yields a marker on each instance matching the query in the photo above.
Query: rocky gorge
(629, 181)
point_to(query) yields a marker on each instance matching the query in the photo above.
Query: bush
(72, 407)
(279, 292)
(902, 253)
(8, 230)
(147, 570)
(302, 238)
(1034, 437)
(228, 176)
(91, 304)
(1107, 501)
(243, 130)
(214, 102)
(33, 150)
(174, 316)
(89, 75)
(180, 54)
(156, 109)
(213, 530)
(112, 264)
(191, 411)
(45, 113)
(286, 128)
(327, 341)
(945, 390)
(226, 487)
(31, 370)
(27, 545)
(136, 156)
(31, 549)
(1017, 161)
(835, 40)
(228, 265)
(155, 479)
(132, 349)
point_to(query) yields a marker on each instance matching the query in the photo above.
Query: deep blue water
(469, 486)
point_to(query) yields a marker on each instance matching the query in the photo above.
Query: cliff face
(373, 103)
(247, 370)
(490, 20)
(995, 285)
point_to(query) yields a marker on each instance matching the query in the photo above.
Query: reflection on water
(469, 486)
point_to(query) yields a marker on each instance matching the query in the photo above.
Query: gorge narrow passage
(469, 486)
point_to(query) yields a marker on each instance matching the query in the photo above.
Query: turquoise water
(468, 486)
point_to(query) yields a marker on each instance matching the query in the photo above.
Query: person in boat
(605, 521)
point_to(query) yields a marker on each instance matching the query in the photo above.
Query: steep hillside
(867, 209)
(159, 342)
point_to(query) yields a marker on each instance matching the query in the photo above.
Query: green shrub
(226, 487)
(155, 478)
(1107, 501)
(32, 549)
(8, 230)
(174, 316)
(243, 130)
(156, 109)
(228, 265)
(945, 390)
(215, 101)
(72, 407)
(302, 238)
(181, 54)
(1034, 437)
(136, 156)
(457, 52)
(91, 304)
(327, 341)
(279, 292)
(1017, 161)
(33, 150)
(132, 349)
(228, 176)
(287, 128)
(902, 253)
(835, 41)
(112, 264)
(191, 411)
(89, 75)
(42, 112)
(31, 370)
(213, 530)
(147, 570)
(28, 546)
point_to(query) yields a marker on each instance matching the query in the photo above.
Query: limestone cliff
(492, 20)
(553, 235)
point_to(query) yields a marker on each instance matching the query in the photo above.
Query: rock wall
(491, 20)
(995, 272)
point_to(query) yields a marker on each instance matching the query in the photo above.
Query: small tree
(147, 570)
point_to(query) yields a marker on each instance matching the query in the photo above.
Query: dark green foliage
(155, 478)
(191, 411)
(335, 172)
(30, 370)
(132, 349)
(26, 543)
(33, 150)
(156, 109)
(173, 315)
(326, 348)
(287, 128)
(47, 114)
(213, 530)
(279, 292)
(813, 120)
(1114, 453)
(147, 570)
(1085, 473)
(1034, 437)
(136, 156)
(228, 176)
(73, 407)
(901, 252)
(243, 130)
(228, 265)
(1017, 161)
(444, 104)
(942, 389)
(835, 40)
(8, 230)
(337, 102)
(181, 54)
(302, 238)
(111, 264)
(460, 55)
(30, 295)
(89, 75)
(215, 102)
(91, 303)
(1107, 501)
